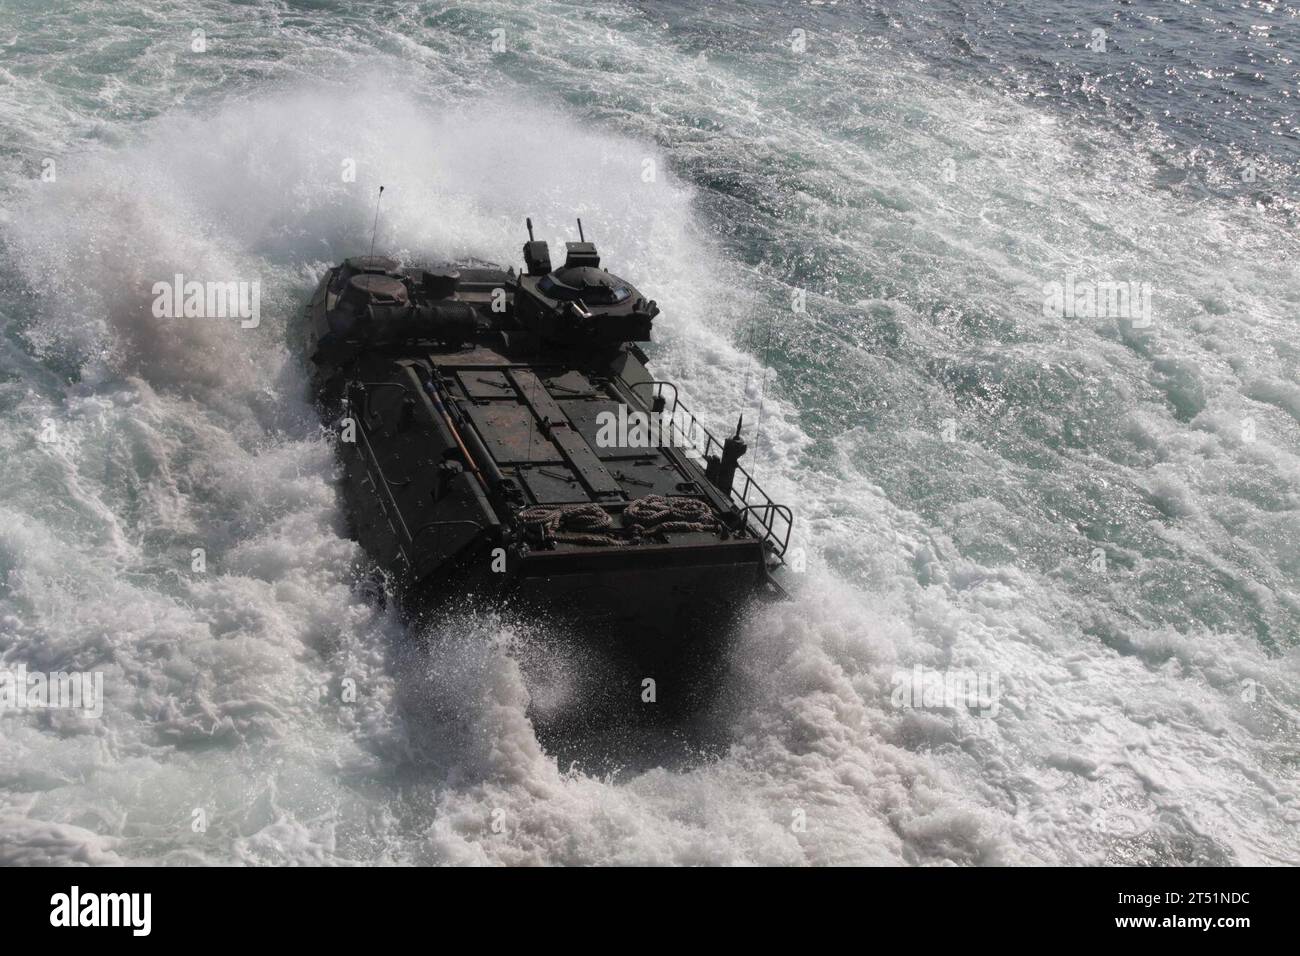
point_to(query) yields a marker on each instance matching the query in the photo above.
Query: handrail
(780, 539)
(774, 521)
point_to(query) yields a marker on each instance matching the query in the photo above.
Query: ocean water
(850, 214)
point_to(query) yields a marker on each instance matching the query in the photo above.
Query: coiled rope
(591, 524)
(656, 514)
(576, 524)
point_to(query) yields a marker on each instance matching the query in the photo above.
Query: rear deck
(562, 433)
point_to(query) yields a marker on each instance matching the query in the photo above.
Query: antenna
(375, 231)
(581, 237)
(529, 223)
(762, 395)
(740, 423)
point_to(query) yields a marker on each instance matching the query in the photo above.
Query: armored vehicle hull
(503, 440)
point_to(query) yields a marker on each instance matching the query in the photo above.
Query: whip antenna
(375, 231)
(762, 395)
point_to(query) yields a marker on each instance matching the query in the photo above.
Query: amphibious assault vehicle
(501, 436)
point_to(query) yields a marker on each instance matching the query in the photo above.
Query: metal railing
(764, 518)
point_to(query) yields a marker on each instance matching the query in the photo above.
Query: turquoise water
(959, 459)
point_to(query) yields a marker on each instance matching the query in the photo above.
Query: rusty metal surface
(485, 384)
(541, 424)
(585, 462)
(512, 434)
(553, 485)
